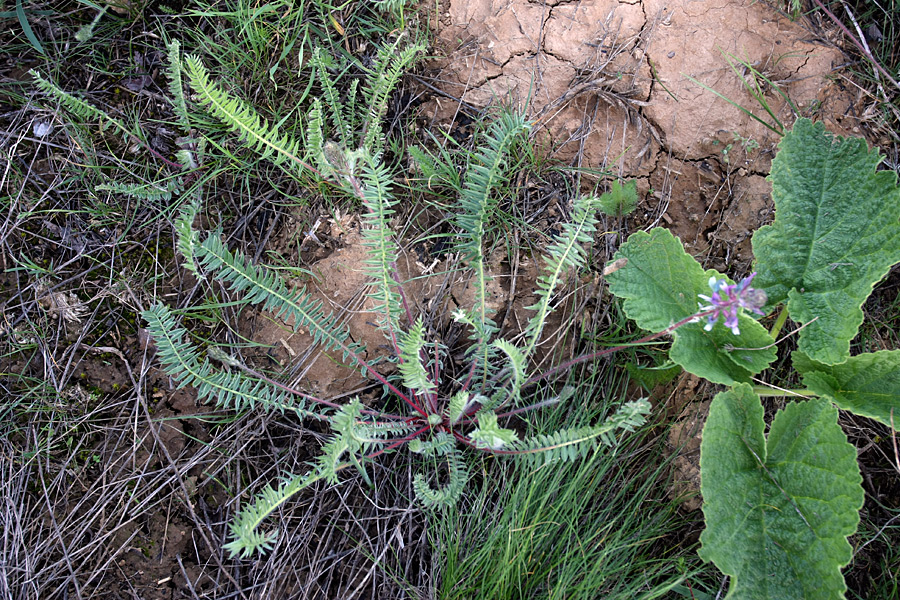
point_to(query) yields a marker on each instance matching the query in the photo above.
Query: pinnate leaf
(868, 384)
(778, 512)
(836, 233)
(660, 285)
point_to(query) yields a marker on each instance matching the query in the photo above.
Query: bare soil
(616, 87)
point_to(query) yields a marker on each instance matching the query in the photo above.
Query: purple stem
(399, 442)
(401, 293)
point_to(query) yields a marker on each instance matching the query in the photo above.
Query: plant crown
(344, 148)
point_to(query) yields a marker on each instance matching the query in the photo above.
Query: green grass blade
(26, 28)
(746, 111)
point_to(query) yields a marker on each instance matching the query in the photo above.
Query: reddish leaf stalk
(399, 442)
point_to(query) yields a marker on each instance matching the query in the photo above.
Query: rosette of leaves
(438, 417)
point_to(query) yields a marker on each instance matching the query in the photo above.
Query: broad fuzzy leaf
(661, 284)
(778, 512)
(868, 384)
(836, 233)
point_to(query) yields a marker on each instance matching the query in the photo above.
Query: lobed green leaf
(489, 434)
(836, 233)
(247, 539)
(176, 84)
(778, 512)
(381, 264)
(868, 384)
(182, 360)
(660, 285)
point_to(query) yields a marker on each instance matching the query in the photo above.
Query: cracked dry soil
(622, 86)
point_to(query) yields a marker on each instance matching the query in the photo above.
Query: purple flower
(727, 300)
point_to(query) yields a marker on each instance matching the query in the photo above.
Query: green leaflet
(183, 361)
(660, 285)
(457, 476)
(778, 514)
(489, 434)
(487, 170)
(868, 384)
(571, 444)
(836, 233)
(176, 85)
(517, 365)
(620, 200)
(77, 106)
(375, 193)
(247, 539)
(564, 254)
(411, 343)
(240, 117)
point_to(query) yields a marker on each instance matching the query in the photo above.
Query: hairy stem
(765, 390)
(509, 413)
(858, 44)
